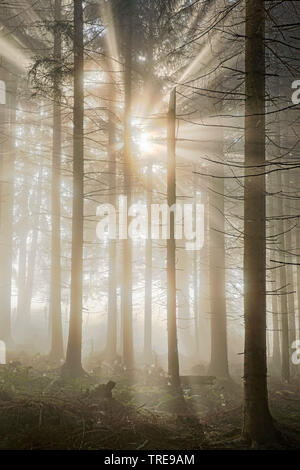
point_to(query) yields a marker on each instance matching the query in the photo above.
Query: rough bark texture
(258, 425)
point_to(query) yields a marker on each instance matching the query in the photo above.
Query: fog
(149, 226)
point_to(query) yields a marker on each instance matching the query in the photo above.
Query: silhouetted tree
(258, 425)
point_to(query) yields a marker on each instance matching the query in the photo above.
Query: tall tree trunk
(276, 358)
(219, 357)
(173, 361)
(185, 339)
(22, 326)
(148, 276)
(285, 341)
(7, 201)
(73, 364)
(126, 301)
(31, 261)
(204, 304)
(273, 234)
(111, 341)
(196, 301)
(57, 349)
(258, 424)
(148, 352)
(196, 270)
(298, 276)
(289, 274)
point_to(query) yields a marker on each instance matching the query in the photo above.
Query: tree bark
(298, 277)
(111, 342)
(31, 261)
(276, 355)
(57, 349)
(126, 301)
(148, 277)
(258, 424)
(73, 364)
(196, 301)
(7, 202)
(173, 361)
(22, 326)
(219, 356)
(288, 247)
(285, 340)
(204, 303)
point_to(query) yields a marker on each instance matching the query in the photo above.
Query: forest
(149, 225)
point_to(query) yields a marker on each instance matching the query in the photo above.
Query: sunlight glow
(144, 143)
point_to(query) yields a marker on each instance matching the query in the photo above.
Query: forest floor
(41, 410)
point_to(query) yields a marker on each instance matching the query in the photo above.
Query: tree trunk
(57, 349)
(126, 301)
(276, 358)
(219, 357)
(298, 276)
(285, 341)
(196, 301)
(111, 342)
(258, 424)
(22, 326)
(73, 364)
(7, 202)
(31, 261)
(173, 362)
(148, 277)
(288, 246)
(204, 304)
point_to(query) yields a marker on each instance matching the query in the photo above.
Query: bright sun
(144, 143)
